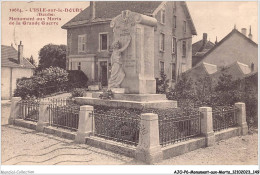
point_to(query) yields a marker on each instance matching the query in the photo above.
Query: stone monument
(135, 33)
(132, 76)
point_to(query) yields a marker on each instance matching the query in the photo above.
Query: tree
(52, 55)
(31, 60)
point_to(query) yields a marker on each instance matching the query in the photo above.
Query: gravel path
(234, 151)
(21, 146)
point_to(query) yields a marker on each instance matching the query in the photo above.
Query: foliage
(47, 81)
(52, 55)
(31, 60)
(225, 93)
(107, 94)
(162, 84)
(77, 79)
(78, 92)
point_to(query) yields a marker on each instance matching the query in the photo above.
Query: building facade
(236, 46)
(13, 66)
(89, 37)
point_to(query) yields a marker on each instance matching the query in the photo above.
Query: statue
(117, 72)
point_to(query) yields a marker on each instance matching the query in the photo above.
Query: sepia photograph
(130, 83)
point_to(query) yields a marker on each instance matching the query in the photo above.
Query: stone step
(159, 104)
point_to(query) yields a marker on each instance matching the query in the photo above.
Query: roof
(199, 50)
(9, 58)
(209, 68)
(244, 68)
(234, 31)
(107, 10)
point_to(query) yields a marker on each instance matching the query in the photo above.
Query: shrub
(45, 82)
(77, 79)
(78, 92)
(162, 84)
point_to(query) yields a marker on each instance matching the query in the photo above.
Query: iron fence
(63, 113)
(172, 130)
(116, 128)
(29, 109)
(224, 117)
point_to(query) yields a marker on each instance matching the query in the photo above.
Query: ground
(21, 146)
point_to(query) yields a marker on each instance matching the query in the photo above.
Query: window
(184, 26)
(162, 38)
(103, 41)
(174, 21)
(162, 66)
(173, 71)
(183, 48)
(79, 66)
(82, 43)
(163, 16)
(173, 44)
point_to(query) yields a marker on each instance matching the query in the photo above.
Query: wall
(9, 85)
(167, 57)
(5, 83)
(235, 48)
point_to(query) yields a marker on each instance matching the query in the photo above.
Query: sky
(213, 18)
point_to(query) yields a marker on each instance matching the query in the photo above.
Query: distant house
(236, 46)
(13, 66)
(200, 48)
(237, 70)
(89, 37)
(202, 70)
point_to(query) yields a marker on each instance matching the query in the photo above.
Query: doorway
(103, 73)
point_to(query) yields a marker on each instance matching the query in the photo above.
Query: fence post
(86, 123)
(206, 125)
(15, 109)
(149, 148)
(241, 117)
(43, 116)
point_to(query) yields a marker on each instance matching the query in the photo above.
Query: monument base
(118, 90)
(137, 101)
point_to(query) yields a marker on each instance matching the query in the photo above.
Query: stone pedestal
(149, 149)
(138, 58)
(86, 124)
(15, 108)
(43, 116)
(241, 117)
(206, 125)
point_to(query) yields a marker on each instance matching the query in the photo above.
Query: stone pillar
(149, 148)
(241, 117)
(206, 125)
(43, 116)
(86, 123)
(15, 109)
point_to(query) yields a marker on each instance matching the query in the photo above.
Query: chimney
(243, 31)
(20, 53)
(204, 41)
(250, 36)
(216, 42)
(93, 9)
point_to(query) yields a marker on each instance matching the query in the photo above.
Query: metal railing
(63, 113)
(224, 117)
(116, 128)
(172, 130)
(29, 109)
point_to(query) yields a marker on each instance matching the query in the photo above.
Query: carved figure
(117, 72)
